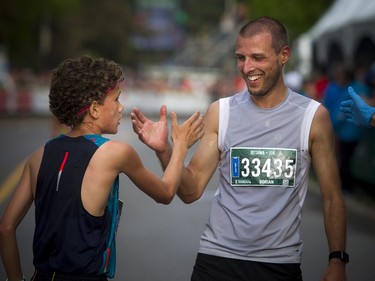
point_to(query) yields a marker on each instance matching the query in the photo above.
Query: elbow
(6, 231)
(166, 199)
(188, 199)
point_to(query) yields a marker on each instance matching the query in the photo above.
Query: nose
(121, 108)
(247, 66)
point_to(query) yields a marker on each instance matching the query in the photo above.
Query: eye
(259, 57)
(240, 57)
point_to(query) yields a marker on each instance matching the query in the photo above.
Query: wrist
(165, 150)
(338, 256)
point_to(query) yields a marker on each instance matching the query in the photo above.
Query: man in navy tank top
(73, 179)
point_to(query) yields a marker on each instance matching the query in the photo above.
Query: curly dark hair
(76, 83)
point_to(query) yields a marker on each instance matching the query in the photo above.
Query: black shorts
(57, 276)
(213, 268)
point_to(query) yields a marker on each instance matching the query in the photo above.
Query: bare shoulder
(213, 107)
(321, 133)
(321, 122)
(116, 147)
(116, 154)
(211, 118)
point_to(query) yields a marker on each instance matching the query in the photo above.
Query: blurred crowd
(330, 87)
(327, 86)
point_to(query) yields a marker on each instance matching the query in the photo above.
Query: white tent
(345, 23)
(344, 13)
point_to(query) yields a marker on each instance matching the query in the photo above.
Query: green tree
(298, 15)
(40, 33)
(21, 25)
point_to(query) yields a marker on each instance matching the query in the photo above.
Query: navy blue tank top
(67, 238)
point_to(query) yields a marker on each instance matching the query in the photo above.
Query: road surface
(159, 243)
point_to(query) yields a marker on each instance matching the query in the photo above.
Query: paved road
(159, 243)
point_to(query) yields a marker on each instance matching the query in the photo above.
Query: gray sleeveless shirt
(263, 179)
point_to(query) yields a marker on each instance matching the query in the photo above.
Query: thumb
(174, 119)
(163, 113)
(352, 93)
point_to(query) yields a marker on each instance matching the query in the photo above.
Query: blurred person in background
(357, 111)
(263, 141)
(347, 135)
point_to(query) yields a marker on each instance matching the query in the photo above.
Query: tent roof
(343, 13)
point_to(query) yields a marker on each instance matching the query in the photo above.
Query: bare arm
(326, 169)
(183, 137)
(204, 161)
(12, 217)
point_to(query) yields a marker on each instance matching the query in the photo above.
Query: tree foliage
(297, 15)
(38, 34)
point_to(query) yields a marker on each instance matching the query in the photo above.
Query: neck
(85, 128)
(271, 100)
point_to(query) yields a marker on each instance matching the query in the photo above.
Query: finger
(136, 125)
(193, 117)
(174, 122)
(351, 91)
(163, 113)
(139, 115)
(348, 114)
(345, 109)
(346, 103)
(198, 123)
(352, 121)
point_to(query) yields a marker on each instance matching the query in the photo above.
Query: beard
(268, 84)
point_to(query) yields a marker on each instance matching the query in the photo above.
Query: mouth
(253, 78)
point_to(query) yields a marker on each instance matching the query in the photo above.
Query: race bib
(263, 166)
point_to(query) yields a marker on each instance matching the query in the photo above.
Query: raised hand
(356, 110)
(153, 134)
(189, 132)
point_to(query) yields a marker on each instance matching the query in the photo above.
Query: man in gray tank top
(262, 140)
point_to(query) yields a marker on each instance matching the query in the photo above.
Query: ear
(285, 55)
(94, 109)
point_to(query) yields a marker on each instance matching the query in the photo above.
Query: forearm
(10, 256)
(187, 189)
(165, 156)
(335, 224)
(174, 168)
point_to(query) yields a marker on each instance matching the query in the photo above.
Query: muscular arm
(326, 169)
(204, 161)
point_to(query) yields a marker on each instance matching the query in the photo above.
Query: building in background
(159, 25)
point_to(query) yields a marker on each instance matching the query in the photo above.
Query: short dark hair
(76, 83)
(266, 24)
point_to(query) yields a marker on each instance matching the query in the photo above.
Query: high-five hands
(192, 126)
(155, 134)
